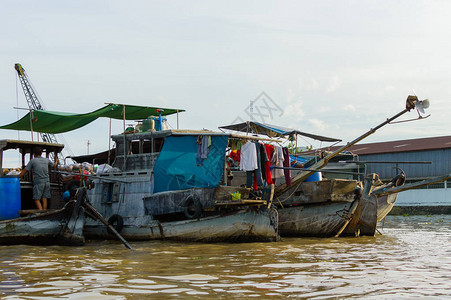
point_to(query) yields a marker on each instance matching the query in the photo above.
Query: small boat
(22, 224)
(378, 200)
(387, 194)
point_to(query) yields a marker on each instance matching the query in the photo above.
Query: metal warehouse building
(383, 157)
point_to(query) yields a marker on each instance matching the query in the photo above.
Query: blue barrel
(315, 176)
(9, 198)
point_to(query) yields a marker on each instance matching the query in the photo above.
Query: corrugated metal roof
(422, 144)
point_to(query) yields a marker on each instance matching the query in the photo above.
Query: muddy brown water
(412, 258)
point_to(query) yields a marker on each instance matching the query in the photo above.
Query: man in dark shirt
(41, 181)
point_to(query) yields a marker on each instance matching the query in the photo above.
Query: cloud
(310, 84)
(294, 110)
(319, 125)
(333, 85)
(349, 108)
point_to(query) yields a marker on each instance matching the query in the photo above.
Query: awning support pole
(31, 124)
(125, 154)
(109, 143)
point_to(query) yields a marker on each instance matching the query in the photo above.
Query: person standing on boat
(41, 182)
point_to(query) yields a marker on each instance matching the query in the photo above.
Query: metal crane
(34, 103)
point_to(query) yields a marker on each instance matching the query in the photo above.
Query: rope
(294, 191)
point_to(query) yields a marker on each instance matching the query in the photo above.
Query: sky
(333, 68)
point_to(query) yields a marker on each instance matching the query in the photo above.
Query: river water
(410, 258)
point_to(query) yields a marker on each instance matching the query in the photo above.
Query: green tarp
(59, 122)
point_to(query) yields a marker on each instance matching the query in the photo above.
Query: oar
(99, 216)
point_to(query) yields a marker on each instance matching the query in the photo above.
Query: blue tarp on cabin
(176, 167)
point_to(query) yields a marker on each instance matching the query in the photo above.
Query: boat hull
(385, 204)
(321, 220)
(49, 228)
(371, 209)
(250, 225)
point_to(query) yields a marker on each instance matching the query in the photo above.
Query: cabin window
(110, 192)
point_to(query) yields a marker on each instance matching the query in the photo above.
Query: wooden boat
(47, 227)
(319, 209)
(23, 197)
(143, 167)
(387, 194)
(23, 224)
(378, 200)
(363, 215)
(160, 192)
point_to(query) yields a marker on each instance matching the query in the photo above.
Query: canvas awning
(274, 131)
(59, 122)
(178, 168)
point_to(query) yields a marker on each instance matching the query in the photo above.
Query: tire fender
(117, 222)
(193, 207)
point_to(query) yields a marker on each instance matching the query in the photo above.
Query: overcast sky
(335, 68)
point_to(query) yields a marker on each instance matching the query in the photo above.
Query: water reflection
(411, 259)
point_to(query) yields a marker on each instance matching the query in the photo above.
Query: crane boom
(33, 102)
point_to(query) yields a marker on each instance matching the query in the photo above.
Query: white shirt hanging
(248, 157)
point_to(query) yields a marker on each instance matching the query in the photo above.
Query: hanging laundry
(268, 149)
(239, 144)
(277, 161)
(249, 163)
(248, 157)
(263, 160)
(257, 172)
(286, 163)
(202, 149)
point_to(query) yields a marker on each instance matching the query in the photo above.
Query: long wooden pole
(410, 104)
(99, 216)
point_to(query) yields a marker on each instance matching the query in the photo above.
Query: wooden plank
(27, 212)
(242, 202)
(224, 193)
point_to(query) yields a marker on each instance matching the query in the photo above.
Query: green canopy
(59, 122)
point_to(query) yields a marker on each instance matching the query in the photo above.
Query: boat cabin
(20, 191)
